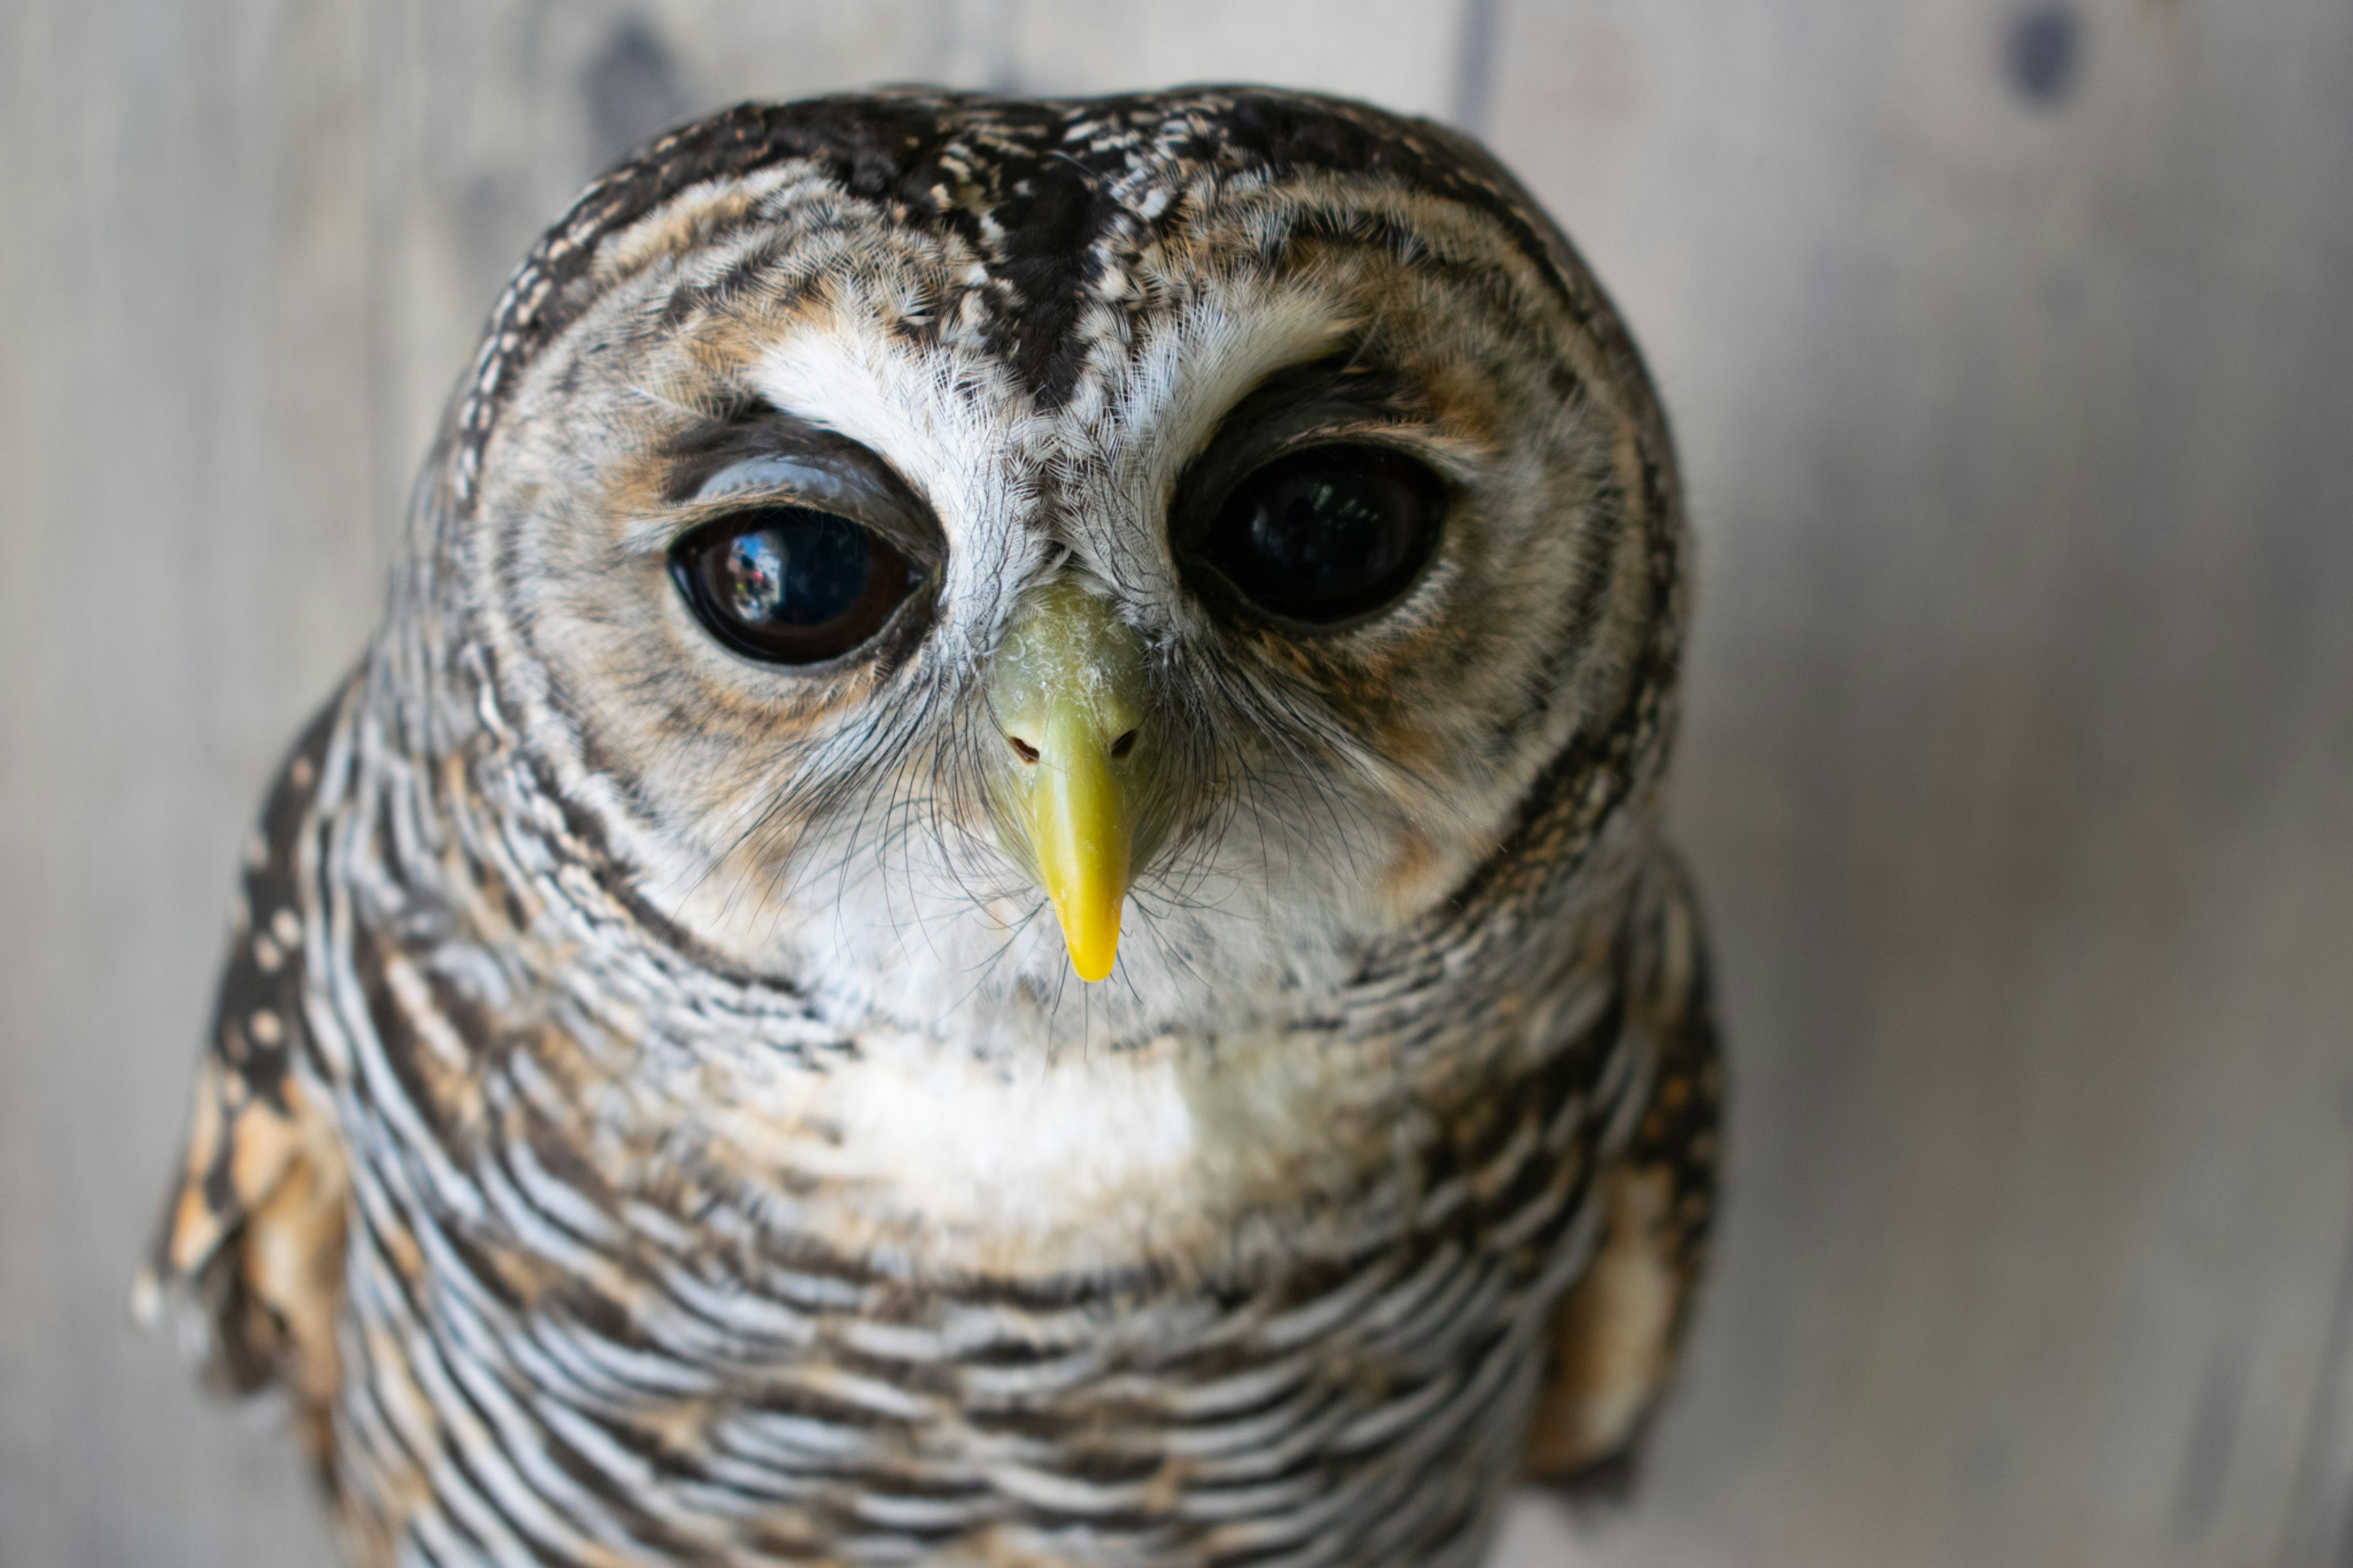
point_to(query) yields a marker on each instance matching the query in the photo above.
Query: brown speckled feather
(252, 1241)
(1613, 1338)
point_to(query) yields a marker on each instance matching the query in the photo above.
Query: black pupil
(1329, 532)
(790, 583)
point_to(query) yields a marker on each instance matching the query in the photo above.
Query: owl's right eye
(790, 585)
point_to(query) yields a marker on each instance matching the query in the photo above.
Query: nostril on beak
(1124, 744)
(1023, 749)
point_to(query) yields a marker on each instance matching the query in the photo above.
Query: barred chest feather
(829, 1299)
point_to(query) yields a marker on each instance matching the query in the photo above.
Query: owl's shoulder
(1615, 1337)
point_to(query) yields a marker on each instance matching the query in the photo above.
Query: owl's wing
(249, 1252)
(1615, 1335)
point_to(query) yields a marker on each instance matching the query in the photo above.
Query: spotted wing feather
(249, 1249)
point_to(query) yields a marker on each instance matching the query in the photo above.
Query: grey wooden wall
(2011, 352)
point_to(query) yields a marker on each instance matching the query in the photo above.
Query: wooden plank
(188, 549)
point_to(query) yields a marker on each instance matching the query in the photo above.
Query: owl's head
(973, 555)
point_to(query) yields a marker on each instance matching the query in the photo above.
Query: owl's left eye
(1328, 534)
(790, 585)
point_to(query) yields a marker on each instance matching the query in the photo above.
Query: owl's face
(893, 583)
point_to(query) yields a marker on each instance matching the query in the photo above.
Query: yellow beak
(1069, 693)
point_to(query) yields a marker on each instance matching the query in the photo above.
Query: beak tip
(1092, 952)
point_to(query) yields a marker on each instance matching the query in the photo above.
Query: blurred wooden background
(2010, 346)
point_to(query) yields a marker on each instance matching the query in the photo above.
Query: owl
(993, 895)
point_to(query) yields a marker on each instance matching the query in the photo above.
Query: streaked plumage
(649, 1117)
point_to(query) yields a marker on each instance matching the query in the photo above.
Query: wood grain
(2011, 358)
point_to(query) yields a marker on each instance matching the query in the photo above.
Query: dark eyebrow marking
(751, 429)
(850, 479)
(1351, 384)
